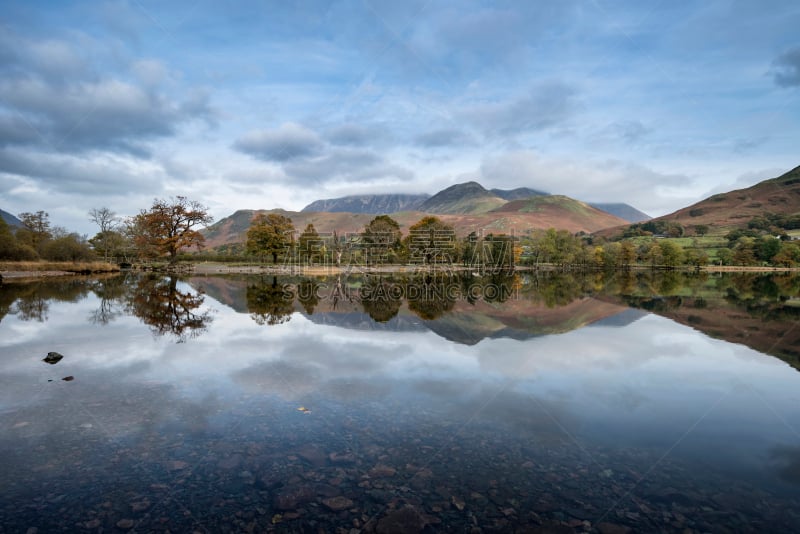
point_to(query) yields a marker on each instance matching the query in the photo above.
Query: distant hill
(10, 219)
(623, 211)
(375, 204)
(466, 198)
(518, 193)
(558, 211)
(734, 209)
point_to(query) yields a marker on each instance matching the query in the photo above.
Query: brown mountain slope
(557, 212)
(734, 209)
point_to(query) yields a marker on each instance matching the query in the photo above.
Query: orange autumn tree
(170, 226)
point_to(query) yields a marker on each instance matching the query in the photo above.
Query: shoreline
(324, 270)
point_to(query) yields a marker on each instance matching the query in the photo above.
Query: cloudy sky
(267, 104)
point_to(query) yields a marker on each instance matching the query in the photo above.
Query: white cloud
(289, 141)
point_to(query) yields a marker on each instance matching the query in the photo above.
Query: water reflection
(504, 413)
(269, 302)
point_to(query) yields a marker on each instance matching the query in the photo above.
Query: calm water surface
(361, 404)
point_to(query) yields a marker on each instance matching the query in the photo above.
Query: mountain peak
(468, 197)
(374, 204)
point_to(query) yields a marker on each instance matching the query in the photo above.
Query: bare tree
(106, 220)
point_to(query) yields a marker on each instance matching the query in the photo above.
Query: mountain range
(468, 207)
(466, 198)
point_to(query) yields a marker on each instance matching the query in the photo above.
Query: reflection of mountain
(755, 310)
(353, 320)
(522, 316)
(623, 318)
(519, 319)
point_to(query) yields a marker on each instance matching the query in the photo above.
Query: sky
(262, 104)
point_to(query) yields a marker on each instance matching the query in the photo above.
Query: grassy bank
(67, 267)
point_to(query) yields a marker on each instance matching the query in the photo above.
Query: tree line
(170, 228)
(429, 241)
(164, 230)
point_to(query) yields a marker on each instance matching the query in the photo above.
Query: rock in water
(337, 504)
(313, 455)
(53, 358)
(125, 524)
(381, 470)
(403, 521)
(290, 497)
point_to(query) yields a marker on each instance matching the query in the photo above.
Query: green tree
(270, 234)
(499, 251)
(767, 247)
(67, 248)
(611, 255)
(170, 226)
(654, 254)
(701, 229)
(381, 237)
(744, 251)
(671, 254)
(308, 243)
(431, 240)
(695, 256)
(11, 249)
(788, 256)
(468, 250)
(627, 254)
(36, 227)
(725, 256)
(110, 244)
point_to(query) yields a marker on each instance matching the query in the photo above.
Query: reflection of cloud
(788, 460)
(306, 365)
(288, 380)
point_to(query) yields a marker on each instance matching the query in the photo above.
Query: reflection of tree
(31, 302)
(270, 303)
(500, 287)
(160, 304)
(430, 297)
(557, 289)
(308, 294)
(32, 307)
(112, 293)
(7, 298)
(380, 302)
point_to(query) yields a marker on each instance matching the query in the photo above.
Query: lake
(636, 402)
